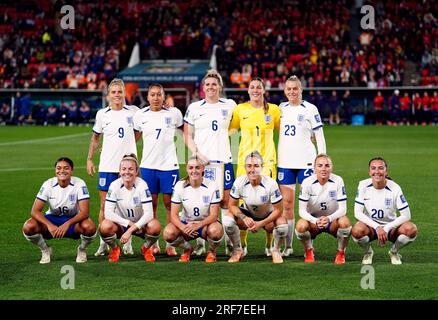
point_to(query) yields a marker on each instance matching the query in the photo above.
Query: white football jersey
(196, 201)
(322, 200)
(123, 205)
(210, 123)
(63, 201)
(257, 200)
(381, 205)
(295, 147)
(117, 127)
(158, 128)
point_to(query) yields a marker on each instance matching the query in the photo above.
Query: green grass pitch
(27, 155)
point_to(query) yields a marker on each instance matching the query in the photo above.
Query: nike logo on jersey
(185, 199)
(108, 123)
(202, 115)
(144, 122)
(244, 118)
(366, 198)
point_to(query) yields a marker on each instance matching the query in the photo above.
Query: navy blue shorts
(58, 221)
(105, 179)
(160, 181)
(290, 176)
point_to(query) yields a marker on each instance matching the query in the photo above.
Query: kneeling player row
(255, 203)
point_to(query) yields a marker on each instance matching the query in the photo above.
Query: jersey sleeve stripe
(345, 199)
(176, 202)
(277, 201)
(96, 132)
(403, 208)
(41, 199)
(87, 198)
(317, 127)
(110, 200)
(359, 203)
(215, 202)
(188, 122)
(146, 201)
(233, 197)
(303, 200)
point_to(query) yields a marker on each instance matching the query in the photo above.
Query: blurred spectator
(84, 113)
(394, 109)
(379, 111)
(52, 116)
(405, 109)
(334, 104)
(5, 113)
(346, 107)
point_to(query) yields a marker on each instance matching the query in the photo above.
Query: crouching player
(377, 201)
(323, 208)
(262, 207)
(128, 211)
(67, 215)
(199, 199)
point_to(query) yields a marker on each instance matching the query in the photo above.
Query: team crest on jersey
(264, 199)
(317, 118)
(267, 118)
(343, 191)
(402, 198)
(277, 193)
(72, 198)
(210, 174)
(233, 189)
(168, 120)
(224, 113)
(332, 194)
(136, 201)
(206, 199)
(300, 117)
(148, 193)
(388, 202)
(218, 194)
(281, 176)
(84, 190)
(102, 182)
(130, 121)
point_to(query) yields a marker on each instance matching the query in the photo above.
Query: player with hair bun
(115, 123)
(323, 208)
(300, 121)
(128, 211)
(262, 207)
(199, 200)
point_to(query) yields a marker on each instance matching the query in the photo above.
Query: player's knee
(357, 232)
(153, 227)
(302, 226)
(344, 222)
(215, 232)
(105, 228)
(170, 233)
(30, 227)
(410, 230)
(88, 227)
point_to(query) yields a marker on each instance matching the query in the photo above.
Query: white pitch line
(43, 140)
